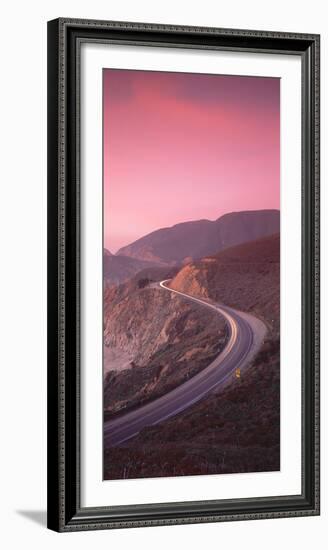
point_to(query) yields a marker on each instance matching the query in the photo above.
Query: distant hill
(196, 239)
(118, 269)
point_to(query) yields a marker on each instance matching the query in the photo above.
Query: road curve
(241, 346)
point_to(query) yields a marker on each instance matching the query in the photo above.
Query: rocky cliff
(167, 338)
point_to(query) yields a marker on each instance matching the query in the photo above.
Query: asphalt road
(235, 355)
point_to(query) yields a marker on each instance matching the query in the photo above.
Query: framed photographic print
(183, 274)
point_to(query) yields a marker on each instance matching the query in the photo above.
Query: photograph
(183, 194)
(191, 274)
(162, 303)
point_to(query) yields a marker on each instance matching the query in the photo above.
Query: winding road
(246, 334)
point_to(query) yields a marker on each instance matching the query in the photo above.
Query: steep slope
(236, 429)
(167, 339)
(196, 239)
(245, 277)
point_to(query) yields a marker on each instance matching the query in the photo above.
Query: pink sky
(180, 147)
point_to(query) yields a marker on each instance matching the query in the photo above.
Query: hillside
(245, 277)
(196, 239)
(236, 429)
(165, 338)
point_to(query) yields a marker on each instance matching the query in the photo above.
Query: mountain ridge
(199, 238)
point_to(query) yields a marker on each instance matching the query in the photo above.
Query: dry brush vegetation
(238, 428)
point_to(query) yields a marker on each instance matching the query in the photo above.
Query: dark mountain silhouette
(196, 239)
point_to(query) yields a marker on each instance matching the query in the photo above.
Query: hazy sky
(181, 147)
